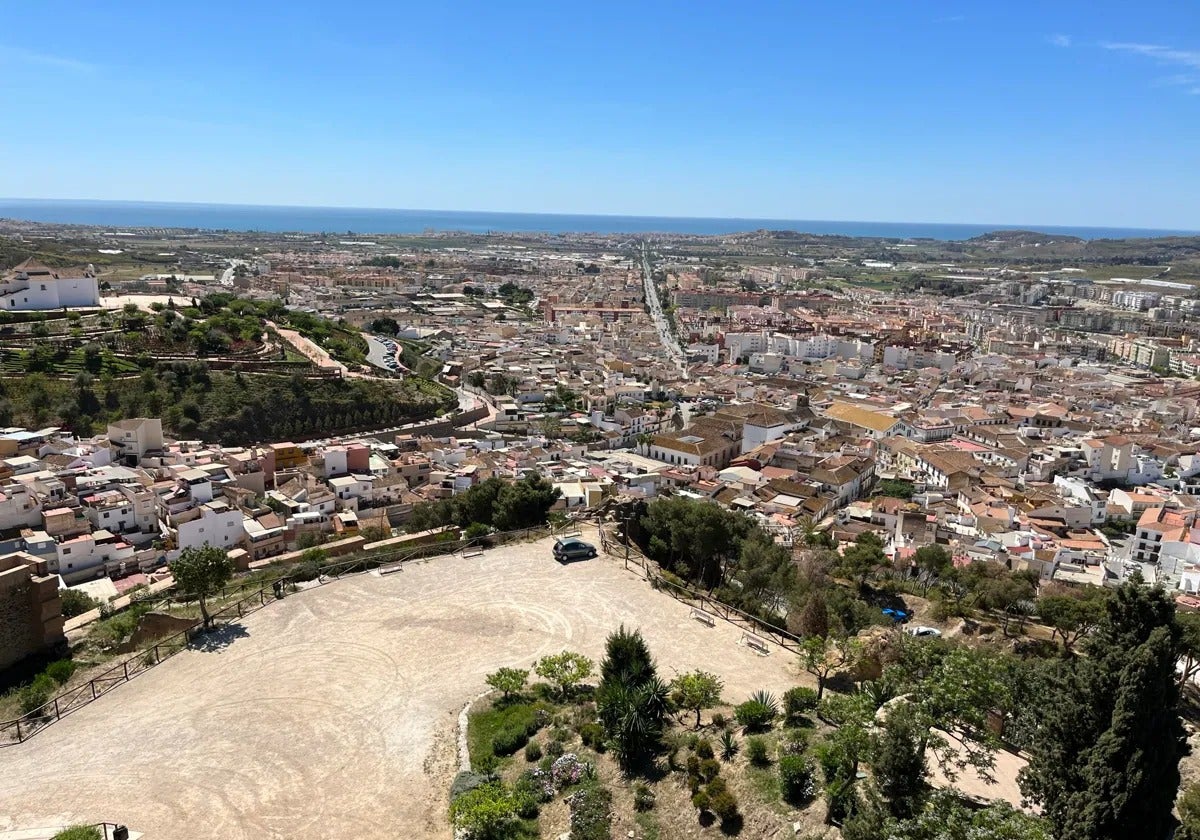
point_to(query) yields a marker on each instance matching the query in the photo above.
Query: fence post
(92, 684)
(57, 713)
(125, 665)
(157, 655)
(20, 737)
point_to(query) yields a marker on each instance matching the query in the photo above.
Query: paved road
(226, 278)
(669, 342)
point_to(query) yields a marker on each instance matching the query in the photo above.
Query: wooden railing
(647, 568)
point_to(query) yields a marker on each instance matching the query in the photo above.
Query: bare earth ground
(333, 713)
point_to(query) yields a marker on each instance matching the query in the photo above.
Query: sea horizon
(358, 221)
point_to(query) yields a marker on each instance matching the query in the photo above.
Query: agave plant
(767, 699)
(729, 746)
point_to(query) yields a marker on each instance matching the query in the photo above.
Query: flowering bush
(540, 783)
(797, 777)
(591, 813)
(568, 770)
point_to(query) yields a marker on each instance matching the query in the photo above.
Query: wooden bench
(473, 551)
(704, 617)
(387, 570)
(755, 643)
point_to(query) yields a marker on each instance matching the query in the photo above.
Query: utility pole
(625, 534)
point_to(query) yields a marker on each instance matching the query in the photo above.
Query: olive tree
(200, 573)
(565, 670)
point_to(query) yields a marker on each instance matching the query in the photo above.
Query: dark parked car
(573, 548)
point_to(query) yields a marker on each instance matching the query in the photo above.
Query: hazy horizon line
(549, 213)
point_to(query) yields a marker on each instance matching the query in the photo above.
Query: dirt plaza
(334, 711)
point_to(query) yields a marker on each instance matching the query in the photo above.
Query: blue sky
(1081, 113)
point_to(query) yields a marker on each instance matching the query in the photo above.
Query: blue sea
(359, 221)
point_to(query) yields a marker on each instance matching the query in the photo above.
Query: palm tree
(808, 530)
(632, 715)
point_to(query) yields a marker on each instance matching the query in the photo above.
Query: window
(107, 514)
(66, 551)
(43, 287)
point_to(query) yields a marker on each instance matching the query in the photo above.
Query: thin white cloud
(1060, 40)
(20, 55)
(1177, 80)
(1158, 52)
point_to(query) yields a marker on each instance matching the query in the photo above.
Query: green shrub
(700, 801)
(537, 783)
(719, 721)
(796, 778)
(484, 812)
(508, 741)
(501, 731)
(704, 748)
(76, 602)
(709, 769)
(60, 671)
(693, 765)
(561, 735)
(37, 693)
(476, 530)
(756, 751)
(79, 832)
(527, 796)
(798, 702)
(533, 751)
(592, 735)
(724, 805)
(643, 797)
(554, 749)
(754, 715)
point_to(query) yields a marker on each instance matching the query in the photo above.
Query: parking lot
(333, 712)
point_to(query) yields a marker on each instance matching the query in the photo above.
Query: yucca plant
(729, 745)
(768, 700)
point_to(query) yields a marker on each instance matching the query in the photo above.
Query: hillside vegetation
(228, 407)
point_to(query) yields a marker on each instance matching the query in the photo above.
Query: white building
(33, 286)
(219, 524)
(135, 437)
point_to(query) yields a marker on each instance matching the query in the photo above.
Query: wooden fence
(252, 596)
(695, 598)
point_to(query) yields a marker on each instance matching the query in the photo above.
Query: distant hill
(1023, 239)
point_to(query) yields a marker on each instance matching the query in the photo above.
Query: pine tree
(1106, 760)
(814, 619)
(631, 701)
(627, 659)
(898, 763)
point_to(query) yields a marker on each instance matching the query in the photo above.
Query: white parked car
(921, 630)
